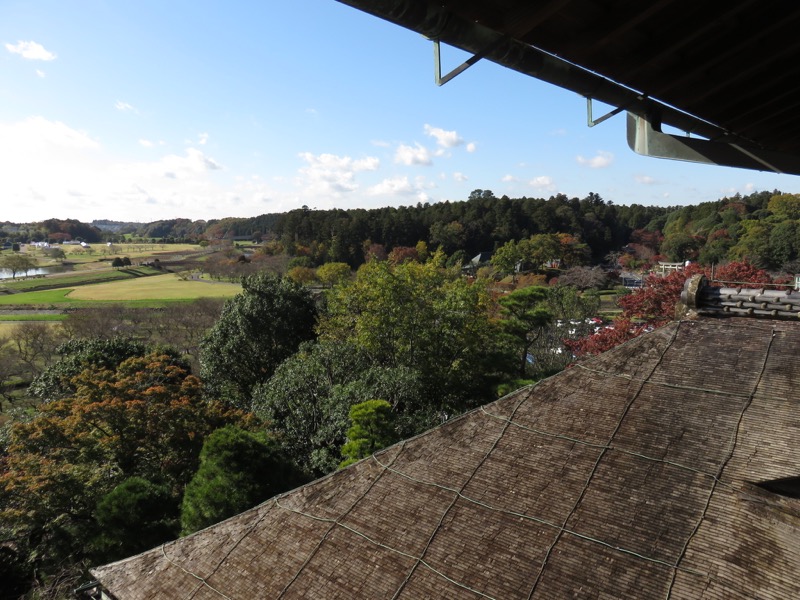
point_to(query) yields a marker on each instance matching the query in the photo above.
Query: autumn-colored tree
(402, 254)
(656, 300)
(741, 272)
(332, 273)
(301, 275)
(655, 303)
(144, 417)
(606, 338)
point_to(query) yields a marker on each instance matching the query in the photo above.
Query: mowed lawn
(157, 287)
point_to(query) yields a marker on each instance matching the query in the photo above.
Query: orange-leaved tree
(144, 418)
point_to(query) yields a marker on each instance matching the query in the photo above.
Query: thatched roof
(632, 475)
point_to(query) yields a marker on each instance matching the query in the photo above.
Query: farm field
(158, 287)
(155, 289)
(60, 280)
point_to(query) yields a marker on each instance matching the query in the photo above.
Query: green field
(142, 291)
(47, 298)
(32, 317)
(60, 280)
(159, 287)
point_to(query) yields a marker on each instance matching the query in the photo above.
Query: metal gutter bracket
(591, 121)
(437, 61)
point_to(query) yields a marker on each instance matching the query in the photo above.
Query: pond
(6, 273)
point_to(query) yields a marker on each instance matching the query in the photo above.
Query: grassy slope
(75, 279)
(132, 291)
(159, 287)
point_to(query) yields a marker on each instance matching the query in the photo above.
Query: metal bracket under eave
(437, 61)
(591, 121)
(648, 140)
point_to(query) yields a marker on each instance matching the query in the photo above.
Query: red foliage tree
(403, 254)
(655, 301)
(620, 331)
(741, 272)
(654, 304)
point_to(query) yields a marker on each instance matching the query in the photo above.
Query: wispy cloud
(41, 73)
(30, 50)
(445, 139)
(509, 179)
(124, 107)
(644, 179)
(202, 139)
(600, 161)
(332, 174)
(417, 155)
(459, 176)
(471, 147)
(151, 144)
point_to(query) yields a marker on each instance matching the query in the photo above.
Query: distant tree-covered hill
(763, 227)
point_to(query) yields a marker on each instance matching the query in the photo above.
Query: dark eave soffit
(725, 73)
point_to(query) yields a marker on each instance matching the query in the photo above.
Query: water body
(6, 273)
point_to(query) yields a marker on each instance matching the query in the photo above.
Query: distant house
(478, 261)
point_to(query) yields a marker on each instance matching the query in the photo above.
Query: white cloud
(193, 162)
(151, 144)
(392, 187)
(332, 174)
(509, 179)
(459, 176)
(124, 107)
(471, 147)
(600, 161)
(445, 139)
(53, 170)
(644, 179)
(543, 183)
(38, 132)
(202, 138)
(30, 50)
(41, 73)
(419, 155)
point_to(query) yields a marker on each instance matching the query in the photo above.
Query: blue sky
(148, 110)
